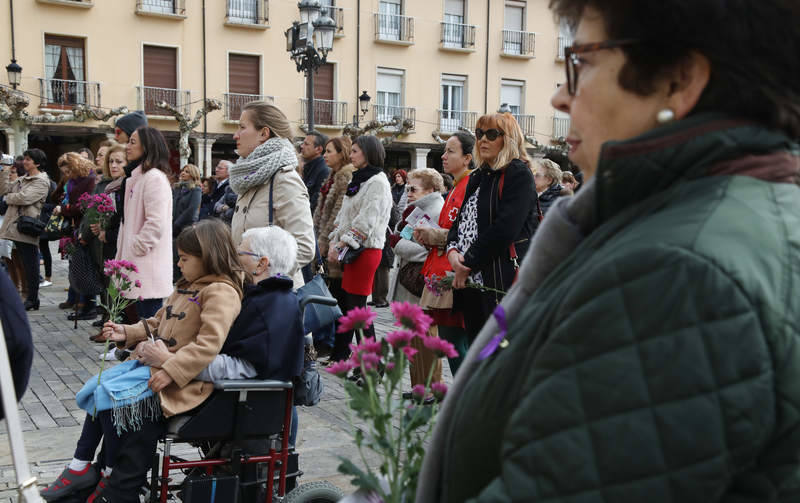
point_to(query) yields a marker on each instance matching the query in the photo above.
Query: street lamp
(308, 43)
(14, 73)
(363, 102)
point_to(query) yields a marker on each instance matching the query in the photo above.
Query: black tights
(341, 347)
(44, 248)
(29, 254)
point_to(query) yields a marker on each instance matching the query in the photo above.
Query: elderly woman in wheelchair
(208, 339)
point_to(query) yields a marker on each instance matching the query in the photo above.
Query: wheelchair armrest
(252, 385)
(317, 299)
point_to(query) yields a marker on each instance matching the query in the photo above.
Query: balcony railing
(560, 127)
(65, 94)
(150, 97)
(72, 3)
(519, 43)
(326, 112)
(235, 102)
(458, 36)
(389, 112)
(337, 14)
(563, 43)
(527, 123)
(168, 7)
(247, 12)
(394, 28)
(451, 120)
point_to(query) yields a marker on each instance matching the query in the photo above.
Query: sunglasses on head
(491, 134)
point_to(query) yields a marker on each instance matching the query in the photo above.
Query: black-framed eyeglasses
(573, 61)
(410, 189)
(491, 134)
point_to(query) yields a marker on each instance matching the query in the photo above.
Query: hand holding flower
(114, 331)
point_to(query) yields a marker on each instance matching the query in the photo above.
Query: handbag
(410, 276)
(30, 226)
(57, 227)
(308, 385)
(316, 316)
(351, 255)
(84, 276)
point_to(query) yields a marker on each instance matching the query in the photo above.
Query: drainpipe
(358, 59)
(486, 66)
(13, 50)
(206, 162)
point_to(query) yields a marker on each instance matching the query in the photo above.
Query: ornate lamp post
(14, 73)
(308, 43)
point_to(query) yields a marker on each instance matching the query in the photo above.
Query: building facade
(440, 63)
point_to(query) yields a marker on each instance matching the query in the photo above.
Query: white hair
(277, 245)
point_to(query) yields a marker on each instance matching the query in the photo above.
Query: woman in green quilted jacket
(650, 349)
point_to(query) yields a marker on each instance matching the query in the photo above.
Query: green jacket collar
(633, 170)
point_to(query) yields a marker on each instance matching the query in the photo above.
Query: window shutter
(323, 82)
(243, 74)
(160, 67)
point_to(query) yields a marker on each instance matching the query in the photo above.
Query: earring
(255, 273)
(665, 115)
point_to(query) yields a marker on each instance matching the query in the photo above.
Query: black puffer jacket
(17, 334)
(547, 197)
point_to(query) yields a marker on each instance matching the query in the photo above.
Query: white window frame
(515, 83)
(394, 72)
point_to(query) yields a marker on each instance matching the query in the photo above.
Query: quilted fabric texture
(659, 362)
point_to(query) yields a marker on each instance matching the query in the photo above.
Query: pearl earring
(255, 273)
(665, 115)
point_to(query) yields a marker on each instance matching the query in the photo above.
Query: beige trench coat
(24, 197)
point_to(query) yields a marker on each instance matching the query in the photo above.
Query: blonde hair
(113, 149)
(194, 173)
(549, 168)
(513, 139)
(76, 165)
(263, 114)
(428, 177)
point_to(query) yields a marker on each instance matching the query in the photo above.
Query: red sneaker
(97, 495)
(70, 481)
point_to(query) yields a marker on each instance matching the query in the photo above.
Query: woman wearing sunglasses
(652, 341)
(496, 221)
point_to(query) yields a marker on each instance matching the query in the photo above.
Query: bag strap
(271, 191)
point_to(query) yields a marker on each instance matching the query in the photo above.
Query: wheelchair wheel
(315, 492)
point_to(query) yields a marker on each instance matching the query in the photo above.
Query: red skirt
(357, 276)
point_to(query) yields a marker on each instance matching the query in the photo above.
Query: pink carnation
(340, 368)
(138, 284)
(370, 361)
(440, 346)
(390, 366)
(400, 338)
(358, 318)
(439, 389)
(418, 392)
(410, 316)
(410, 352)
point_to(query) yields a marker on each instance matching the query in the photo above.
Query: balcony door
(511, 94)
(452, 98)
(244, 82)
(513, 25)
(243, 11)
(454, 23)
(64, 83)
(324, 111)
(390, 94)
(160, 73)
(389, 20)
(159, 6)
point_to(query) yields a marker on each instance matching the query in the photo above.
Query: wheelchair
(243, 432)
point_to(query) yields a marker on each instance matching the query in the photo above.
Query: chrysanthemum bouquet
(395, 429)
(98, 208)
(438, 285)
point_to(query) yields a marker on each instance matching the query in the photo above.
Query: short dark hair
(37, 156)
(320, 140)
(372, 149)
(156, 151)
(467, 142)
(87, 151)
(752, 48)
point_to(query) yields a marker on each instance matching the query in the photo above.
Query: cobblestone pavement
(65, 359)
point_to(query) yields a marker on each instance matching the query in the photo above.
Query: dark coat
(185, 207)
(501, 221)
(78, 187)
(206, 206)
(659, 360)
(549, 196)
(17, 334)
(315, 172)
(269, 330)
(397, 192)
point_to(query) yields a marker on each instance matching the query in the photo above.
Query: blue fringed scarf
(122, 389)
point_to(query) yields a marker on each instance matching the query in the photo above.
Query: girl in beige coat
(270, 190)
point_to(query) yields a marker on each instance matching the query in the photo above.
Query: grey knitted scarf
(261, 164)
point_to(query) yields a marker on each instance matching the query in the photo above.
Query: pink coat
(145, 237)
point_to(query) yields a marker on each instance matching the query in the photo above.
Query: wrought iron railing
(458, 35)
(150, 97)
(235, 102)
(519, 43)
(563, 43)
(389, 112)
(326, 112)
(60, 93)
(560, 127)
(337, 14)
(394, 27)
(247, 12)
(451, 120)
(527, 123)
(161, 6)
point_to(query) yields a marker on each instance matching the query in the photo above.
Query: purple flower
(358, 318)
(400, 338)
(439, 346)
(418, 392)
(411, 316)
(341, 368)
(439, 389)
(491, 346)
